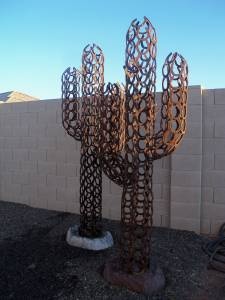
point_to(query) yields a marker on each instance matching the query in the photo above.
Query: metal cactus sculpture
(80, 92)
(129, 142)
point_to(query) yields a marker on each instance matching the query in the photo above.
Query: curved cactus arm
(71, 102)
(174, 105)
(111, 135)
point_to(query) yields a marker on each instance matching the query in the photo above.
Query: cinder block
(66, 143)
(157, 191)
(46, 193)
(208, 129)
(11, 166)
(219, 145)
(35, 155)
(213, 178)
(19, 107)
(20, 178)
(190, 224)
(205, 226)
(47, 117)
(186, 194)
(165, 221)
(28, 143)
(2, 143)
(11, 119)
(220, 96)
(219, 196)
(208, 97)
(67, 169)
(207, 194)
(182, 162)
(37, 179)
(55, 130)
(46, 142)
(195, 95)
(161, 176)
(207, 162)
(220, 162)
(56, 155)
(213, 112)
(5, 108)
(28, 118)
(73, 207)
(29, 166)
(72, 156)
(20, 154)
(166, 162)
(53, 105)
(166, 192)
(12, 142)
(55, 181)
(194, 129)
(116, 189)
(190, 146)
(36, 106)
(73, 183)
(185, 210)
(212, 211)
(20, 131)
(157, 220)
(66, 195)
(106, 185)
(56, 205)
(29, 191)
(220, 128)
(47, 168)
(37, 130)
(6, 177)
(186, 178)
(194, 114)
(6, 154)
(6, 131)
(161, 207)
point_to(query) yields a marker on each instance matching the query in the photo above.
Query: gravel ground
(36, 262)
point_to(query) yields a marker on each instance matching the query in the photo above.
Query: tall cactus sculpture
(80, 91)
(129, 142)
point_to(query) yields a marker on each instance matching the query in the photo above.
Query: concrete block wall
(213, 166)
(39, 164)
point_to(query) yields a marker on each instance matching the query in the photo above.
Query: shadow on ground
(36, 262)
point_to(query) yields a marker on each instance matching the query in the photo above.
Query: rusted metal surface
(80, 93)
(129, 140)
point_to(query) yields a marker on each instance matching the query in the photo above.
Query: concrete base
(74, 239)
(148, 283)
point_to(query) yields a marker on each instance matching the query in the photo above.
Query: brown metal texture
(129, 140)
(90, 171)
(71, 102)
(80, 93)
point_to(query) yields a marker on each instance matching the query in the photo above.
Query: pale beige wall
(213, 168)
(39, 164)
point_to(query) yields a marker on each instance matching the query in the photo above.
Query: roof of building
(14, 96)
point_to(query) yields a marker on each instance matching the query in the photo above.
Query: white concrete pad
(74, 239)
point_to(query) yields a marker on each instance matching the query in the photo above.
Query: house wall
(39, 164)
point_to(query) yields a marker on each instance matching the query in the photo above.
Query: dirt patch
(36, 262)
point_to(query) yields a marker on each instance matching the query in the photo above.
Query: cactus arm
(111, 132)
(174, 105)
(71, 102)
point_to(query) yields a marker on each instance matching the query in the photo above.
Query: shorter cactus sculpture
(79, 110)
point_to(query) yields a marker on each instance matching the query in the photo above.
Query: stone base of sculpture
(74, 239)
(148, 283)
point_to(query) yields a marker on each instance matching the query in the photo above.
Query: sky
(40, 39)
